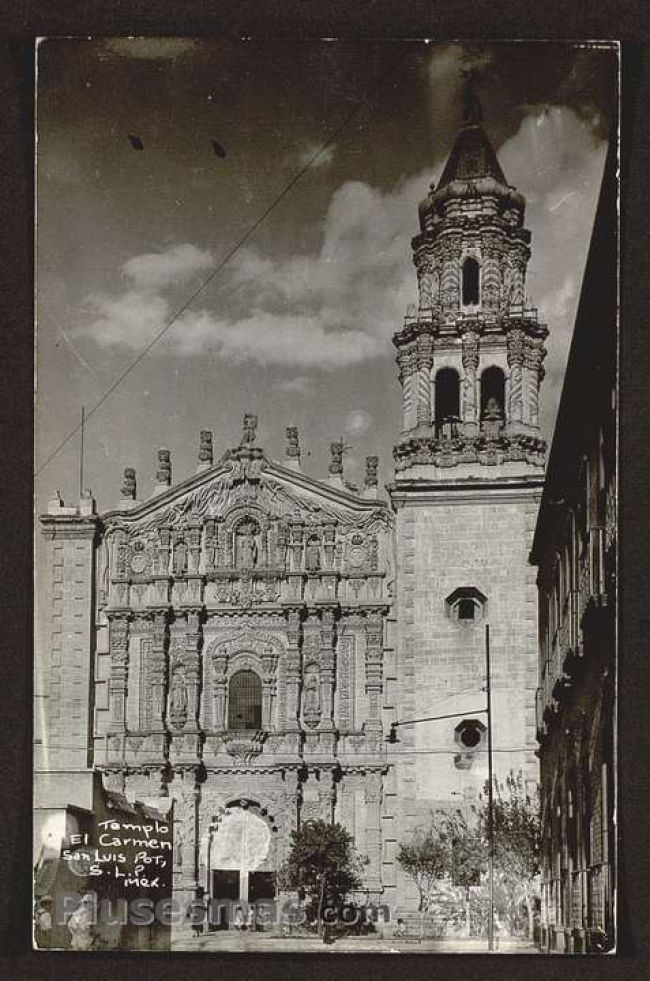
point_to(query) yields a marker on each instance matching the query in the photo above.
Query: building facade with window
(575, 552)
(240, 642)
(468, 480)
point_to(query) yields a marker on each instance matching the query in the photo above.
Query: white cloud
(336, 307)
(340, 305)
(315, 156)
(299, 384)
(556, 160)
(158, 270)
(358, 422)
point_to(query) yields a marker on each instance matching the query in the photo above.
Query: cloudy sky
(295, 324)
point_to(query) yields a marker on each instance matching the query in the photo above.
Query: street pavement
(259, 943)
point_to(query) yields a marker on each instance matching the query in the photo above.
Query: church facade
(240, 643)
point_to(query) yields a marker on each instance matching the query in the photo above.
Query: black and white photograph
(326, 496)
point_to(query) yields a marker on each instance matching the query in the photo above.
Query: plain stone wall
(66, 660)
(442, 545)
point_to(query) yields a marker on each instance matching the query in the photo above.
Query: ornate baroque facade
(240, 642)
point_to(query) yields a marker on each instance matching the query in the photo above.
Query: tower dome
(470, 356)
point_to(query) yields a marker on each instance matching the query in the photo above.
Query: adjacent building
(575, 552)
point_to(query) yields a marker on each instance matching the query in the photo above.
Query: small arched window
(245, 701)
(447, 401)
(493, 389)
(471, 272)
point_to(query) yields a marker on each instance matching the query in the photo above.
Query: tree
(324, 865)
(465, 853)
(517, 841)
(448, 861)
(424, 858)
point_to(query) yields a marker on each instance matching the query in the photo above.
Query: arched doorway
(241, 856)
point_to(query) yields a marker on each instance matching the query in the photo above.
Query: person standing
(43, 922)
(82, 924)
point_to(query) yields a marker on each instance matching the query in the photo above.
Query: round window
(470, 737)
(470, 734)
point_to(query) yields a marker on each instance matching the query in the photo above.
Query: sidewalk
(259, 943)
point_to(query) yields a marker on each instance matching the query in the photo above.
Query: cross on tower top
(472, 113)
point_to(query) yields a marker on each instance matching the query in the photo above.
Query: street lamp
(393, 738)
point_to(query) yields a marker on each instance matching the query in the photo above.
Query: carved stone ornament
(139, 558)
(129, 484)
(292, 451)
(178, 699)
(164, 472)
(311, 696)
(250, 429)
(372, 466)
(336, 463)
(205, 446)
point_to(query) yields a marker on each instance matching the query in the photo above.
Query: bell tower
(470, 356)
(469, 465)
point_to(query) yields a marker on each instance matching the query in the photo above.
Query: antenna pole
(81, 452)
(488, 689)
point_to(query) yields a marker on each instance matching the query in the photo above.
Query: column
(533, 361)
(159, 594)
(159, 669)
(292, 671)
(192, 661)
(450, 286)
(327, 669)
(424, 366)
(490, 277)
(407, 364)
(469, 413)
(185, 870)
(374, 669)
(220, 685)
(519, 279)
(118, 638)
(515, 363)
(372, 790)
(269, 661)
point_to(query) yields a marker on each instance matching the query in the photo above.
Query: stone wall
(462, 541)
(65, 665)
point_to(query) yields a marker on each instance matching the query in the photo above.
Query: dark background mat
(20, 23)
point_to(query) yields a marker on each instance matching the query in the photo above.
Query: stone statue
(129, 484)
(311, 695)
(492, 410)
(292, 451)
(492, 421)
(312, 554)
(205, 447)
(164, 472)
(336, 464)
(180, 559)
(247, 550)
(372, 465)
(250, 429)
(178, 699)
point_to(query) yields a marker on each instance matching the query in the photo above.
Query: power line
(232, 252)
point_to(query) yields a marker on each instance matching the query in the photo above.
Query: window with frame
(245, 701)
(466, 605)
(471, 277)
